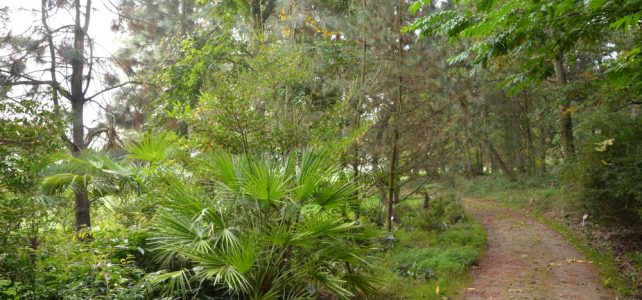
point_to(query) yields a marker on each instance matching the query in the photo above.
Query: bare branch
(92, 133)
(110, 88)
(87, 17)
(91, 63)
(32, 81)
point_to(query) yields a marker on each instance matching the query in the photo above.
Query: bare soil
(527, 260)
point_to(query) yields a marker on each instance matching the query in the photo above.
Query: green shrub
(266, 229)
(442, 212)
(608, 171)
(373, 211)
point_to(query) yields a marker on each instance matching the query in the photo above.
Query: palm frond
(152, 147)
(177, 281)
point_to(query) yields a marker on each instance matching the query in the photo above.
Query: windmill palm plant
(262, 229)
(94, 172)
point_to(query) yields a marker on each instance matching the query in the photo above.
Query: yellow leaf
(601, 146)
(287, 31)
(437, 290)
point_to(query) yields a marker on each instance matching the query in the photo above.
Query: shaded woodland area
(285, 149)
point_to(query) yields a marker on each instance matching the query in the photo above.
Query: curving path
(527, 260)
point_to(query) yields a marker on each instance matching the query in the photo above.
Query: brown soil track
(527, 260)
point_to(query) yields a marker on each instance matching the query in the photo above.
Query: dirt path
(527, 260)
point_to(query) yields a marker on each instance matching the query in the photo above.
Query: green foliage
(265, 228)
(609, 171)
(107, 267)
(93, 172)
(533, 33)
(443, 211)
(26, 131)
(423, 260)
(153, 147)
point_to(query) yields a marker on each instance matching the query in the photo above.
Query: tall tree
(59, 63)
(541, 34)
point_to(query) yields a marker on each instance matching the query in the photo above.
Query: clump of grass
(432, 262)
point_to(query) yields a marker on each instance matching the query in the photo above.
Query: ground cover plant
(433, 252)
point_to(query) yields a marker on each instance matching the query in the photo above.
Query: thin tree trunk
(542, 145)
(426, 202)
(52, 52)
(391, 180)
(566, 121)
(479, 163)
(360, 101)
(395, 135)
(529, 138)
(517, 135)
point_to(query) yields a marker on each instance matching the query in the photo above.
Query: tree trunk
(529, 138)
(186, 12)
(502, 166)
(542, 146)
(479, 164)
(357, 121)
(426, 202)
(78, 103)
(391, 181)
(566, 121)
(394, 156)
(517, 135)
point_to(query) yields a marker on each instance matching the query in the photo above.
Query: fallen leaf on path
(579, 261)
(514, 290)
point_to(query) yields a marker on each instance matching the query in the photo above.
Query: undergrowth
(432, 253)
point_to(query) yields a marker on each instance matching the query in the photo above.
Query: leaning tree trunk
(566, 121)
(502, 166)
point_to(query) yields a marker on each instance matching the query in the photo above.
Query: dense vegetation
(273, 149)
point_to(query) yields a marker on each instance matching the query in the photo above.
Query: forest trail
(527, 260)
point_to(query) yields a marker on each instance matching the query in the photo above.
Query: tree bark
(566, 121)
(78, 103)
(391, 181)
(426, 202)
(357, 116)
(394, 156)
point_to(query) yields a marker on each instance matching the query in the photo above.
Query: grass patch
(431, 264)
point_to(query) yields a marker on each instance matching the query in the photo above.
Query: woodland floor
(527, 260)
